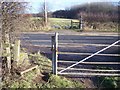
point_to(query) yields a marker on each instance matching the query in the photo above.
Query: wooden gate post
(71, 24)
(81, 23)
(54, 53)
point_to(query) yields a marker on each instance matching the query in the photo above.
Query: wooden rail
(27, 70)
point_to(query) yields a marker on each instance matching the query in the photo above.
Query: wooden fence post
(71, 24)
(8, 59)
(81, 23)
(1, 49)
(17, 51)
(54, 53)
(8, 52)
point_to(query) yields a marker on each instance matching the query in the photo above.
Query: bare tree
(11, 21)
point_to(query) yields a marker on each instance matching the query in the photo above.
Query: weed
(45, 64)
(61, 82)
(50, 81)
(109, 82)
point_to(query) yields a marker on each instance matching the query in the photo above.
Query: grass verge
(108, 82)
(43, 79)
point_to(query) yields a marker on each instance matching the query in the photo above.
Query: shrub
(61, 82)
(109, 82)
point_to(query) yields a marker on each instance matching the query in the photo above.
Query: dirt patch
(42, 78)
(39, 79)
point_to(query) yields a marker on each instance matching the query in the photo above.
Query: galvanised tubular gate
(55, 60)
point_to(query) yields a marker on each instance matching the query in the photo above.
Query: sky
(54, 5)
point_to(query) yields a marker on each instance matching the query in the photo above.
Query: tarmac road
(75, 46)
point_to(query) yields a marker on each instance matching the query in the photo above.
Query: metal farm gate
(70, 70)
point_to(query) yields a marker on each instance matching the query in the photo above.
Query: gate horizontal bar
(90, 74)
(91, 70)
(85, 44)
(116, 55)
(117, 63)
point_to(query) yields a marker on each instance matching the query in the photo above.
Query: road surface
(75, 46)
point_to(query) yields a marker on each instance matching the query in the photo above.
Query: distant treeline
(93, 12)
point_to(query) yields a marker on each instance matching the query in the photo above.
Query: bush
(61, 82)
(109, 82)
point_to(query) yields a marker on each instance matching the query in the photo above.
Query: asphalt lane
(45, 39)
(75, 44)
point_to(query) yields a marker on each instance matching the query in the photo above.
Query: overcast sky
(60, 4)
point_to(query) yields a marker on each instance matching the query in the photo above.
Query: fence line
(89, 57)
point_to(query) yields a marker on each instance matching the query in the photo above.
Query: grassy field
(56, 23)
(59, 21)
(62, 23)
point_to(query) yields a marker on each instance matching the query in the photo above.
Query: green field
(57, 23)
(62, 23)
